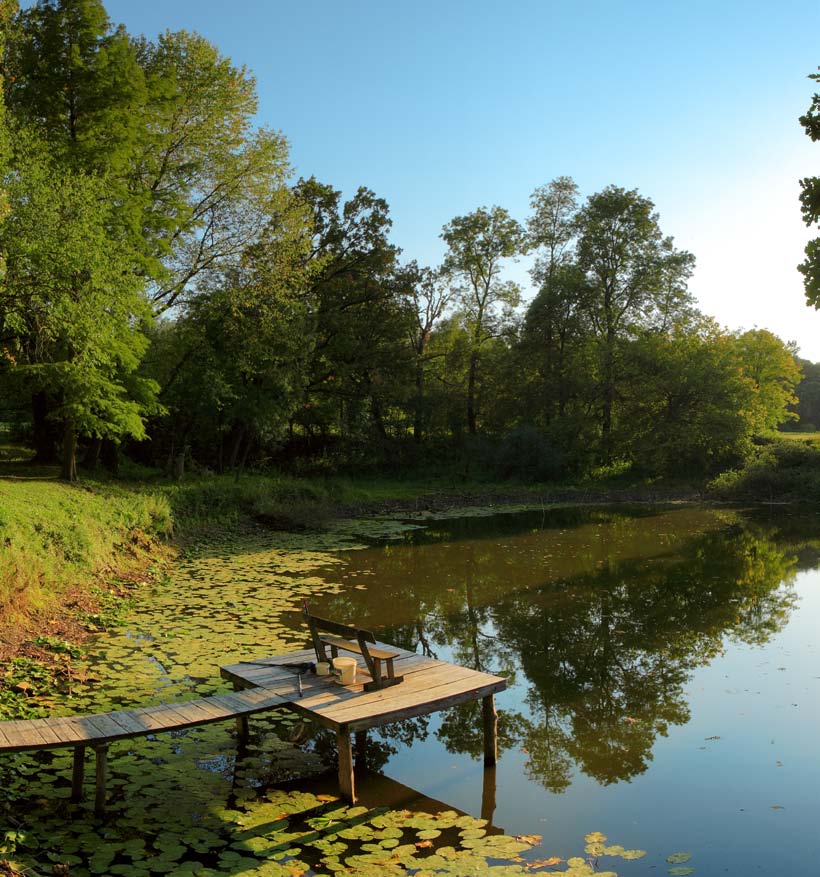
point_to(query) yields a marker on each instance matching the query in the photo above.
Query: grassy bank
(56, 537)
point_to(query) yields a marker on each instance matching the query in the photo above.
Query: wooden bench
(99, 730)
(355, 640)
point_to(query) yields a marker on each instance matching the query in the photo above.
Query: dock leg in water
(102, 775)
(243, 730)
(490, 730)
(77, 774)
(347, 786)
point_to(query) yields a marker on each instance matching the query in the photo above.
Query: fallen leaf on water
(424, 844)
(777, 807)
(545, 863)
(715, 737)
(531, 839)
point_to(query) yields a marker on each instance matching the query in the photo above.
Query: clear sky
(441, 107)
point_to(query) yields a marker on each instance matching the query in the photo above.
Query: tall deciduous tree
(685, 402)
(772, 369)
(77, 81)
(554, 323)
(427, 296)
(636, 276)
(357, 320)
(207, 181)
(478, 243)
(71, 304)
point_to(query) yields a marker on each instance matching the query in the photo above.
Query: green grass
(54, 536)
(807, 437)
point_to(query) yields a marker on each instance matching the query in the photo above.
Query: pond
(663, 678)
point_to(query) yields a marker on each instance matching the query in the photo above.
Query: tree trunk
(606, 410)
(418, 415)
(471, 380)
(609, 381)
(378, 420)
(44, 438)
(68, 470)
(242, 462)
(237, 434)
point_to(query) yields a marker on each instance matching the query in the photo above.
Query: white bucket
(347, 670)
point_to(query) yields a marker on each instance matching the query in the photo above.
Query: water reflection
(597, 619)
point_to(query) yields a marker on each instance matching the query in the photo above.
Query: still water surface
(663, 669)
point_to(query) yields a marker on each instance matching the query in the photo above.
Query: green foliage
(207, 182)
(291, 335)
(76, 80)
(771, 367)
(776, 470)
(478, 243)
(684, 402)
(71, 304)
(807, 391)
(810, 204)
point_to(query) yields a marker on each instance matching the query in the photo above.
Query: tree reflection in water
(597, 618)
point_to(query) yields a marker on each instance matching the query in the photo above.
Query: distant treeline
(169, 291)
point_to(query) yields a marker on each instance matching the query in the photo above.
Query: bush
(776, 470)
(526, 454)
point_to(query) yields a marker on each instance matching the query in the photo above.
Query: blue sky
(443, 107)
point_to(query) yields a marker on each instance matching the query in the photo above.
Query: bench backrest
(348, 631)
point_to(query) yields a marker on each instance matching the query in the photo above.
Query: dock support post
(242, 731)
(102, 775)
(490, 717)
(346, 783)
(77, 773)
(242, 727)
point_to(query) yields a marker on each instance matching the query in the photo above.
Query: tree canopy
(168, 289)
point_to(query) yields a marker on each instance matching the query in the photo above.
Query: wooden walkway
(99, 730)
(429, 685)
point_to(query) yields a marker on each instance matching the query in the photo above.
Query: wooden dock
(429, 685)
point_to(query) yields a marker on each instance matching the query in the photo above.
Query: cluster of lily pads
(186, 802)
